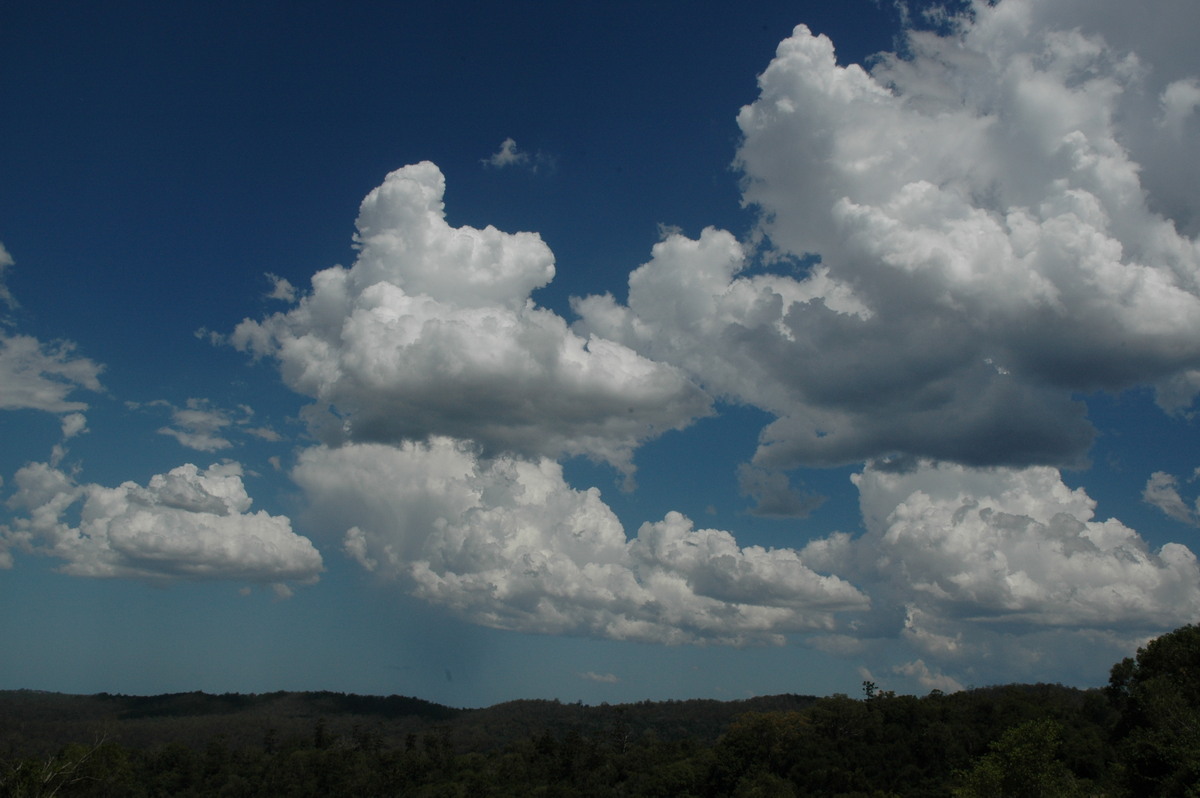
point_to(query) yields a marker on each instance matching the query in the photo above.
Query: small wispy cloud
(507, 155)
(73, 424)
(6, 297)
(773, 494)
(510, 154)
(1162, 491)
(266, 433)
(198, 426)
(281, 288)
(604, 678)
(203, 426)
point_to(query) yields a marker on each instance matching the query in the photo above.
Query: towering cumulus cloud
(454, 394)
(969, 238)
(432, 332)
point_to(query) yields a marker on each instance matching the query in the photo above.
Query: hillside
(1138, 736)
(33, 721)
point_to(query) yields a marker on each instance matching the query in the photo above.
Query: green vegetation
(1140, 736)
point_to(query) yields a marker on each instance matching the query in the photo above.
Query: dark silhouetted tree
(1158, 697)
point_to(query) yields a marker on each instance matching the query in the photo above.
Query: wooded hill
(35, 722)
(1139, 736)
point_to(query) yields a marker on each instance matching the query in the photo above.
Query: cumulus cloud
(1018, 546)
(432, 332)
(508, 543)
(952, 246)
(957, 241)
(1156, 125)
(185, 524)
(984, 563)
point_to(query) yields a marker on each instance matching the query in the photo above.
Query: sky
(596, 351)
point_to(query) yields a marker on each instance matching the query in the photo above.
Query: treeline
(40, 723)
(1140, 736)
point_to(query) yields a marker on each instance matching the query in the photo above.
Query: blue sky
(595, 351)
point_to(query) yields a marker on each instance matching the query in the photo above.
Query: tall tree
(1158, 696)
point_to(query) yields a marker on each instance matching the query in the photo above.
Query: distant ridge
(44, 721)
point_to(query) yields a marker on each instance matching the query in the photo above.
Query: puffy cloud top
(508, 543)
(975, 242)
(1019, 546)
(404, 240)
(185, 524)
(432, 332)
(996, 572)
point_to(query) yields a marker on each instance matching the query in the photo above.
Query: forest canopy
(1138, 736)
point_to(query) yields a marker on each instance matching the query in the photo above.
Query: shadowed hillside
(1137, 737)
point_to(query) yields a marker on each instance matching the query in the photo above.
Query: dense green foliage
(1138, 737)
(1158, 695)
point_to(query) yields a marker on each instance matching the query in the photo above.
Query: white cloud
(1159, 33)
(988, 246)
(432, 332)
(73, 424)
(507, 543)
(1003, 568)
(952, 247)
(1018, 546)
(185, 524)
(37, 376)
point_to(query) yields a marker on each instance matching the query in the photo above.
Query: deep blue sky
(954, 289)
